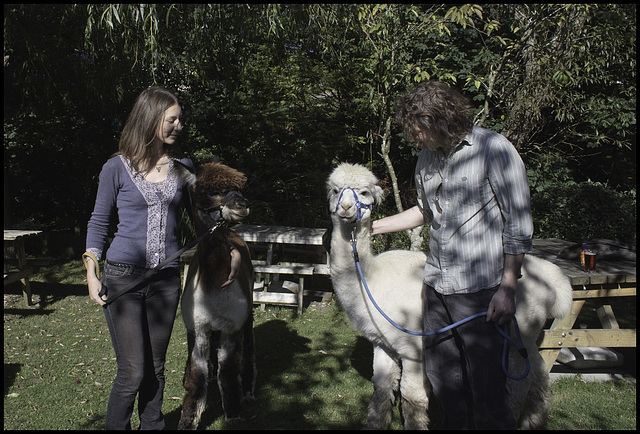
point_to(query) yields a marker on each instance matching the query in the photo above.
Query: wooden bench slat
(317, 268)
(322, 269)
(276, 297)
(554, 339)
(282, 269)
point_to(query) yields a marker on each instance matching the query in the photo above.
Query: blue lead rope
(501, 329)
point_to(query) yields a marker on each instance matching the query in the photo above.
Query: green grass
(578, 404)
(313, 371)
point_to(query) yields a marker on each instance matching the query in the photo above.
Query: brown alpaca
(219, 320)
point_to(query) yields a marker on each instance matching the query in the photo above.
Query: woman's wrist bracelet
(86, 256)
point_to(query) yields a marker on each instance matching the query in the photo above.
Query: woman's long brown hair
(142, 126)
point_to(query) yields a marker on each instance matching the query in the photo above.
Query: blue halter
(360, 207)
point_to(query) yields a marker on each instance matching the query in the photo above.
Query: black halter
(218, 208)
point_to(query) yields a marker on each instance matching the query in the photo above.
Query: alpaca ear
(378, 194)
(185, 173)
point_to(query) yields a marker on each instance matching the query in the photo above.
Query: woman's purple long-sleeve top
(147, 214)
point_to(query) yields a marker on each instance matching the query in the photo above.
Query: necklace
(159, 166)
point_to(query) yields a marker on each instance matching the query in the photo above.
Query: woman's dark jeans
(140, 323)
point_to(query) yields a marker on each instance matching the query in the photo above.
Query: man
(472, 187)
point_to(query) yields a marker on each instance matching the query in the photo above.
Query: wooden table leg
(300, 294)
(550, 350)
(22, 264)
(606, 316)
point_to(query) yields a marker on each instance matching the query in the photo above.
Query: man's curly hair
(434, 116)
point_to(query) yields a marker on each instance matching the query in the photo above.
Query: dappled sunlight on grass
(314, 370)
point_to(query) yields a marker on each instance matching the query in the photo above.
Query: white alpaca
(395, 281)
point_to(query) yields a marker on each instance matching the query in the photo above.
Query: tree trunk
(414, 234)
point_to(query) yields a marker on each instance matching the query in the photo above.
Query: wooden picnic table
(276, 242)
(15, 262)
(275, 237)
(615, 276)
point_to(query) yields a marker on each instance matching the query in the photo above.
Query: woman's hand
(95, 286)
(235, 266)
(93, 282)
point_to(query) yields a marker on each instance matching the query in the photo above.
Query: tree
(283, 91)
(561, 78)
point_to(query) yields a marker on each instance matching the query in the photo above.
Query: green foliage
(529, 72)
(285, 91)
(563, 208)
(546, 170)
(582, 211)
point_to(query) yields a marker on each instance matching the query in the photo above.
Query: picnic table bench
(15, 262)
(615, 276)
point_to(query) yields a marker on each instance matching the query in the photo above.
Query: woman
(141, 185)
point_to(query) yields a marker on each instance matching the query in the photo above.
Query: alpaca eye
(334, 190)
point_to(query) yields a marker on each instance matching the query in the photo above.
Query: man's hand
(503, 304)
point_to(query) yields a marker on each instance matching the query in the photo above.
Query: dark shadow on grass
(362, 357)
(276, 346)
(50, 293)
(27, 312)
(286, 395)
(10, 373)
(97, 422)
(17, 306)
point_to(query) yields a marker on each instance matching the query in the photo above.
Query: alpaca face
(216, 193)
(352, 190)
(212, 207)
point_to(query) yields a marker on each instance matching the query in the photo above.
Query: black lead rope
(154, 270)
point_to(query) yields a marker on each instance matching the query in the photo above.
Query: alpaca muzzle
(232, 200)
(360, 207)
